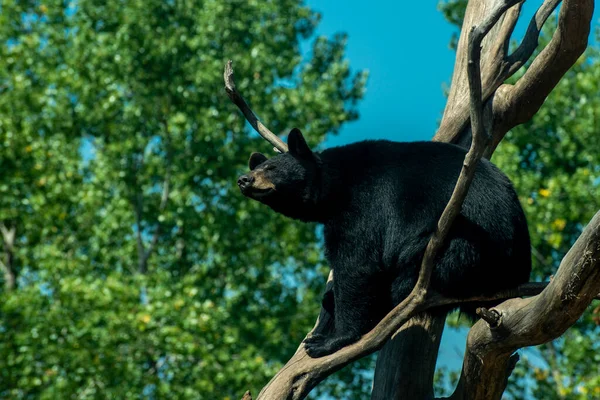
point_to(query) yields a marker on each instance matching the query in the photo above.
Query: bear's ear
(297, 145)
(255, 160)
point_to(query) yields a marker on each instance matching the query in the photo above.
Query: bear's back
(412, 174)
(399, 190)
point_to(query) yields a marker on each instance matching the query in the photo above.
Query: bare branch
(143, 252)
(239, 101)
(478, 146)
(165, 194)
(302, 373)
(515, 104)
(492, 317)
(499, 66)
(454, 125)
(247, 396)
(532, 321)
(10, 279)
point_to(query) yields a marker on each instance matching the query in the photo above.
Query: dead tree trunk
(481, 109)
(406, 364)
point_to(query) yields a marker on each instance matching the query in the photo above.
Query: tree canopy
(130, 265)
(139, 270)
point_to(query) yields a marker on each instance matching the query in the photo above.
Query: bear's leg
(325, 325)
(355, 313)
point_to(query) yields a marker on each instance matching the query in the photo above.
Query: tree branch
(454, 125)
(531, 321)
(531, 39)
(239, 101)
(498, 66)
(165, 194)
(516, 104)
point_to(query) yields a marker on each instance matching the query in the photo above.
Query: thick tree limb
(302, 373)
(239, 101)
(515, 104)
(531, 321)
(406, 364)
(457, 111)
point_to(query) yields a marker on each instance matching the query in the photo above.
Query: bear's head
(289, 183)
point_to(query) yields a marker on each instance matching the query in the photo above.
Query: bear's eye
(269, 167)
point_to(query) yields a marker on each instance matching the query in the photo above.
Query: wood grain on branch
(516, 104)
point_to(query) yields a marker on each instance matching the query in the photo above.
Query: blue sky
(405, 47)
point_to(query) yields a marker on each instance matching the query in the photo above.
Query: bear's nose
(244, 181)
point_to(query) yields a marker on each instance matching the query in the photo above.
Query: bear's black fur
(379, 202)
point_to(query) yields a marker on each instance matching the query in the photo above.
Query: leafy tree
(136, 269)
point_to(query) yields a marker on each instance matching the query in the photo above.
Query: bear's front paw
(318, 346)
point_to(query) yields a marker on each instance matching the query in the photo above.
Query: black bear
(379, 202)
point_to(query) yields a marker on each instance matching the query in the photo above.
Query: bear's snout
(245, 181)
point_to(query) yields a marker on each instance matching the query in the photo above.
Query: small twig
(8, 235)
(247, 396)
(492, 317)
(239, 101)
(7, 265)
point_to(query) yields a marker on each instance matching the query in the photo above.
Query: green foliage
(104, 104)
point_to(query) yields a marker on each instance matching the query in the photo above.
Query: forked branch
(511, 105)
